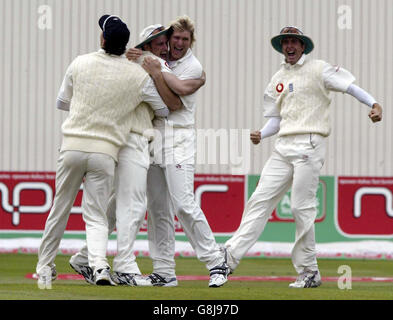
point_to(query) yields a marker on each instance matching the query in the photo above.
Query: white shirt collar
(300, 62)
(186, 56)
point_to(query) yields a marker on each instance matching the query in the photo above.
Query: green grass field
(15, 286)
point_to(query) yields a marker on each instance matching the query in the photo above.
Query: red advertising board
(365, 206)
(26, 199)
(222, 200)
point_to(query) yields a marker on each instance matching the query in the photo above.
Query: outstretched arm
(341, 80)
(364, 97)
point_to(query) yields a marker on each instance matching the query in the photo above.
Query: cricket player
(127, 207)
(296, 103)
(170, 181)
(101, 90)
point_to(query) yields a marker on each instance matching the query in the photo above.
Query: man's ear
(102, 40)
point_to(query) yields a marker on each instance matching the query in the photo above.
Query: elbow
(61, 105)
(176, 106)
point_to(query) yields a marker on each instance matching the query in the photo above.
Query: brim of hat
(102, 20)
(276, 42)
(152, 37)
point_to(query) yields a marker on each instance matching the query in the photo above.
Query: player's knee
(303, 213)
(185, 208)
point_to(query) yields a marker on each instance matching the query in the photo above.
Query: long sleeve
(271, 127)
(336, 78)
(360, 94)
(66, 91)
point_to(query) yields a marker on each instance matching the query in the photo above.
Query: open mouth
(291, 54)
(178, 50)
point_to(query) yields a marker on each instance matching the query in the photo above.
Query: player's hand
(152, 66)
(133, 54)
(255, 137)
(376, 113)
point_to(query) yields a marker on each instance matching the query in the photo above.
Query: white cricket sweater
(141, 120)
(301, 98)
(106, 91)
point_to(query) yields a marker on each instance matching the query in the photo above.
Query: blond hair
(184, 23)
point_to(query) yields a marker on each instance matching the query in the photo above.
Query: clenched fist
(255, 137)
(376, 113)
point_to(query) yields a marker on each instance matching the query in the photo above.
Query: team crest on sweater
(280, 88)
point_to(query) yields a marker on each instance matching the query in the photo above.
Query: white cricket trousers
(170, 191)
(127, 205)
(98, 171)
(295, 162)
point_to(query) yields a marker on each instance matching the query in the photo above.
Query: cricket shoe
(85, 271)
(102, 277)
(227, 259)
(53, 272)
(45, 278)
(307, 279)
(131, 279)
(157, 281)
(219, 275)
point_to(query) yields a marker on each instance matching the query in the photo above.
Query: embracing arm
(170, 99)
(184, 87)
(153, 67)
(133, 54)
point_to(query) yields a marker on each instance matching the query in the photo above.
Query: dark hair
(112, 47)
(115, 33)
